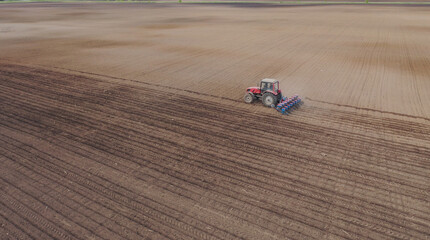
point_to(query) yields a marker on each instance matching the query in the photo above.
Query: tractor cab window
(266, 86)
(276, 86)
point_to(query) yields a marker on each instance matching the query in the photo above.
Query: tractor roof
(270, 80)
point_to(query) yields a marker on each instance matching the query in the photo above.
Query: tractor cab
(269, 85)
(268, 91)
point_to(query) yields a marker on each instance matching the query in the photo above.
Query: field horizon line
(297, 2)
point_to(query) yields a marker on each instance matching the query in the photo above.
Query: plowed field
(95, 145)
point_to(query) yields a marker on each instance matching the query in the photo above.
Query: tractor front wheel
(249, 98)
(269, 99)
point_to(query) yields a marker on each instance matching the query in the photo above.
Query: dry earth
(125, 121)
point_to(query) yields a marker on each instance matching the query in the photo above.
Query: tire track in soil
(250, 176)
(9, 230)
(43, 227)
(33, 189)
(36, 176)
(370, 109)
(55, 173)
(32, 201)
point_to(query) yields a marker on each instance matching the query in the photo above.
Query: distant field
(126, 121)
(286, 2)
(369, 57)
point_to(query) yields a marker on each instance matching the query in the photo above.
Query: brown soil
(126, 122)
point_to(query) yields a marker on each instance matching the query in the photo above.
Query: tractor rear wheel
(269, 99)
(249, 98)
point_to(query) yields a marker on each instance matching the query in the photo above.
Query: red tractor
(268, 91)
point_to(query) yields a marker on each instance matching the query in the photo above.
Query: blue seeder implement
(286, 105)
